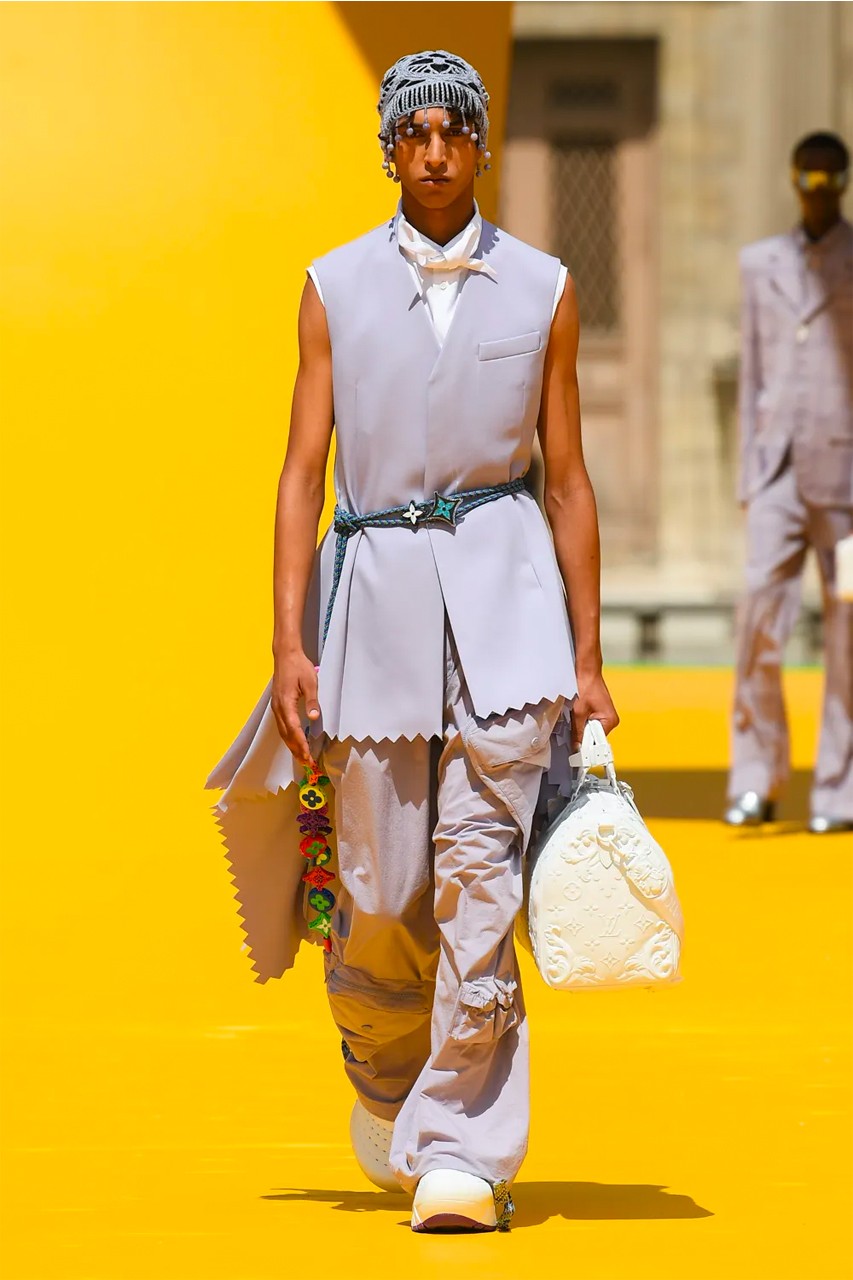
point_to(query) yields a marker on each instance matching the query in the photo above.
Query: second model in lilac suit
(796, 479)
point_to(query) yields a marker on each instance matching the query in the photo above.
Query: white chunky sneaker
(371, 1143)
(449, 1200)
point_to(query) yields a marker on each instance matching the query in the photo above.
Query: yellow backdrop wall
(168, 170)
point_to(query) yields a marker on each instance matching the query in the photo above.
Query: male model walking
(431, 646)
(796, 480)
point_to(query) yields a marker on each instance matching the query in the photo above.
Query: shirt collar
(414, 243)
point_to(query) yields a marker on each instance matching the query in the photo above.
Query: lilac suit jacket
(796, 378)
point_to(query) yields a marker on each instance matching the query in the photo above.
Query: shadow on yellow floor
(540, 1201)
(701, 793)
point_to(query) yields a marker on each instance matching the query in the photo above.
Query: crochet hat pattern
(432, 78)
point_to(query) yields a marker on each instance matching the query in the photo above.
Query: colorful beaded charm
(323, 924)
(314, 827)
(317, 822)
(311, 797)
(313, 846)
(319, 877)
(321, 900)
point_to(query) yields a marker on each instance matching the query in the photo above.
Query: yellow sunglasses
(812, 179)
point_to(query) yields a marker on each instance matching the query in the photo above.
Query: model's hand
(593, 702)
(295, 677)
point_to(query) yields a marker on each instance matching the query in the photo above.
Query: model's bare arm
(301, 492)
(571, 510)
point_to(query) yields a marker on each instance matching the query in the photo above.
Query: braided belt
(443, 509)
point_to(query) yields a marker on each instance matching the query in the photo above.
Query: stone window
(585, 197)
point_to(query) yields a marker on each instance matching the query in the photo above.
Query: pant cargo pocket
(485, 1010)
(510, 754)
(371, 1013)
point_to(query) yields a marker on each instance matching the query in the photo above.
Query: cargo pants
(422, 976)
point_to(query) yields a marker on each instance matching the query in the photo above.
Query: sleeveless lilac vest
(412, 418)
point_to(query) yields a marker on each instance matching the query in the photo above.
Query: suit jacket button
(802, 333)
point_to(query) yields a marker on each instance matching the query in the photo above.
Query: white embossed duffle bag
(600, 901)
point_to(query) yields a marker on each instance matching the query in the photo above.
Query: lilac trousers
(422, 977)
(781, 527)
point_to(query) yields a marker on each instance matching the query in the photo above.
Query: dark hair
(821, 142)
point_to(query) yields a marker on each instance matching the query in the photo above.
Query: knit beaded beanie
(432, 78)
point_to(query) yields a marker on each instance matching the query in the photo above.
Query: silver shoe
(823, 826)
(750, 810)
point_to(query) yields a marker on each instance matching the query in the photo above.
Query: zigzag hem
(218, 818)
(411, 735)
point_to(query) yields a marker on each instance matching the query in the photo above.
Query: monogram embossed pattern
(602, 908)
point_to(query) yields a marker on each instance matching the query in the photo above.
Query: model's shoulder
(760, 253)
(528, 253)
(351, 252)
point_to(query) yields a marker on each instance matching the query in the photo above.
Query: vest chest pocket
(507, 369)
(501, 348)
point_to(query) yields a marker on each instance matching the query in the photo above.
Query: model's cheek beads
(314, 826)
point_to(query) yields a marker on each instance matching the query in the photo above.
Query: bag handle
(594, 750)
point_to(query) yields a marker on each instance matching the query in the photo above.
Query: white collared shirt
(440, 289)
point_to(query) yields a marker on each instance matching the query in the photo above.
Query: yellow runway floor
(168, 1119)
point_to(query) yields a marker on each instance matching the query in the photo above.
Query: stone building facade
(646, 142)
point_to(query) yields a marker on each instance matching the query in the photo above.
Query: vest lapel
(785, 276)
(471, 283)
(406, 295)
(472, 290)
